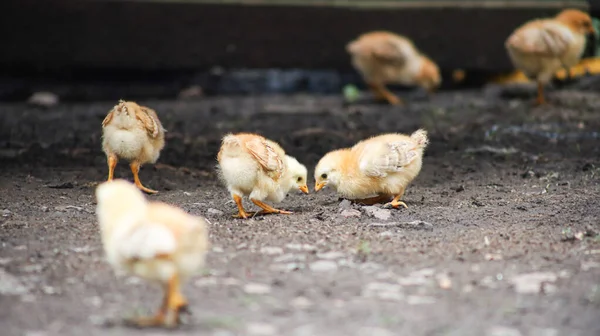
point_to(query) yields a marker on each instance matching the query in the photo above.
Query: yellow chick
(133, 133)
(152, 240)
(539, 48)
(386, 58)
(374, 170)
(251, 165)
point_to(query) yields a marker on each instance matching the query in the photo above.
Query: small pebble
(373, 331)
(533, 283)
(379, 213)
(350, 213)
(502, 331)
(323, 266)
(271, 250)
(214, 212)
(257, 288)
(418, 300)
(43, 98)
(301, 302)
(444, 281)
(330, 255)
(261, 329)
(301, 247)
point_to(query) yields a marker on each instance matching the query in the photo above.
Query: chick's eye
(299, 179)
(324, 176)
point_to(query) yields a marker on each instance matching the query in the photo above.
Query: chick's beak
(319, 186)
(304, 189)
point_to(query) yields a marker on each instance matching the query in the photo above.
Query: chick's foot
(135, 169)
(267, 209)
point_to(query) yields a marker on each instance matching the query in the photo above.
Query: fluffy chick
(152, 240)
(541, 47)
(251, 165)
(386, 58)
(133, 133)
(374, 170)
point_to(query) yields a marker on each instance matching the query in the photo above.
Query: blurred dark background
(109, 49)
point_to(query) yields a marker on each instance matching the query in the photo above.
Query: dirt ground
(501, 236)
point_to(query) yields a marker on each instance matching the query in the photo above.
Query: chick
(541, 47)
(133, 133)
(152, 240)
(251, 165)
(386, 58)
(374, 170)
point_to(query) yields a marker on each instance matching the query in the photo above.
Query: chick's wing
(108, 118)
(382, 158)
(266, 156)
(149, 120)
(148, 241)
(544, 38)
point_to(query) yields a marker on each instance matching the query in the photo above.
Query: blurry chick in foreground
(251, 165)
(152, 240)
(386, 58)
(541, 47)
(133, 133)
(374, 170)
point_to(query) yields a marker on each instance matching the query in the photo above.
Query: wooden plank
(69, 35)
(370, 4)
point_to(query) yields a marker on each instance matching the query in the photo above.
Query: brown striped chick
(540, 48)
(251, 165)
(152, 240)
(386, 58)
(374, 170)
(133, 133)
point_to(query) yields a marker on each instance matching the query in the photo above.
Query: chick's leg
(269, 209)
(153, 321)
(381, 92)
(540, 100)
(135, 169)
(396, 202)
(112, 163)
(241, 212)
(176, 303)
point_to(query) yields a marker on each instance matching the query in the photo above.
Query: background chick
(374, 170)
(541, 47)
(155, 241)
(133, 133)
(386, 58)
(251, 165)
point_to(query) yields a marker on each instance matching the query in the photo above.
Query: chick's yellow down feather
(539, 48)
(134, 133)
(383, 57)
(375, 169)
(152, 240)
(251, 165)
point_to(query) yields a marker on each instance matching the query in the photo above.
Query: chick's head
(328, 169)
(118, 199)
(297, 173)
(429, 77)
(577, 20)
(124, 113)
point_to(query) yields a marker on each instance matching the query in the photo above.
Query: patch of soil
(506, 189)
